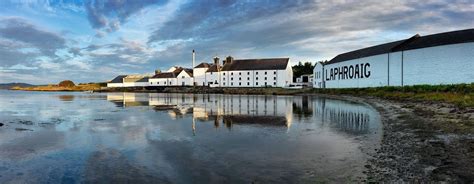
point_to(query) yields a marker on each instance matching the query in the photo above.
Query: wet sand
(422, 142)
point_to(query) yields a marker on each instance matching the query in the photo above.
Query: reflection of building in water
(353, 118)
(222, 109)
(303, 106)
(275, 111)
(128, 99)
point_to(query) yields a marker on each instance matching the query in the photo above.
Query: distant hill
(10, 85)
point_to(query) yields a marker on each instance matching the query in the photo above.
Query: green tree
(301, 69)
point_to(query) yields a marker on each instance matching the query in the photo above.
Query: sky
(44, 42)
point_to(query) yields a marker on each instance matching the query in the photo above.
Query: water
(56, 137)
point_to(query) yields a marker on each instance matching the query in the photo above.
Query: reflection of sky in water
(180, 138)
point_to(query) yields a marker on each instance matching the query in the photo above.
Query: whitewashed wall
(199, 75)
(318, 76)
(183, 79)
(447, 64)
(114, 85)
(377, 69)
(135, 84)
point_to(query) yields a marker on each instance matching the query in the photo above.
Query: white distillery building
(270, 72)
(444, 58)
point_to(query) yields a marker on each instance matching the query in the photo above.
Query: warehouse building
(444, 58)
(269, 72)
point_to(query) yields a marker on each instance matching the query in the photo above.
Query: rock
(23, 129)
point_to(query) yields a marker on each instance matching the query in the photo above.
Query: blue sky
(47, 41)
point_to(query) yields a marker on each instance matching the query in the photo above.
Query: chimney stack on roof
(229, 60)
(216, 60)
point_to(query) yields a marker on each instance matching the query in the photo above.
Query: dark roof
(203, 65)
(118, 79)
(447, 38)
(172, 74)
(365, 52)
(213, 68)
(144, 79)
(415, 42)
(257, 64)
(189, 71)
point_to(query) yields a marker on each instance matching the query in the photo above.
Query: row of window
(248, 83)
(248, 73)
(159, 83)
(248, 78)
(318, 75)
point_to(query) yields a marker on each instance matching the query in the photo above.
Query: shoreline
(421, 140)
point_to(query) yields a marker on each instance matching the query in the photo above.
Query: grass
(459, 94)
(51, 87)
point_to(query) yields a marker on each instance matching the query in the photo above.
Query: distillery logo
(357, 71)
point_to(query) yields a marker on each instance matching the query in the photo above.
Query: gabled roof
(203, 65)
(188, 71)
(415, 42)
(118, 79)
(447, 38)
(257, 64)
(214, 68)
(365, 52)
(173, 74)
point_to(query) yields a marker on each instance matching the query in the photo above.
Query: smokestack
(216, 60)
(194, 58)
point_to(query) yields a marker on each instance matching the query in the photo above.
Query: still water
(56, 137)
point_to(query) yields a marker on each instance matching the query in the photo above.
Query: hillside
(11, 85)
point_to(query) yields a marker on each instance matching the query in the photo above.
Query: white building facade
(274, 72)
(445, 58)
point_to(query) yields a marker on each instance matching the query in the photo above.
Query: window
(165, 82)
(232, 78)
(182, 77)
(231, 73)
(274, 78)
(158, 83)
(224, 83)
(265, 83)
(248, 83)
(211, 73)
(256, 73)
(265, 73)
(240, 73)
(275, 72)
(256, 78)
(240, 84)
(265, 78)
(248, 73)
(256, 83)
(224, 73)
(240, 78)
(223, 78)
(231, 83)
(275, 83)
(248, 78)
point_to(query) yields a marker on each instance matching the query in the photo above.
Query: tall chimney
(194, 58)
(216, 60)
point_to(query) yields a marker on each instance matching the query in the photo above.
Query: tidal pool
(69, 137)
